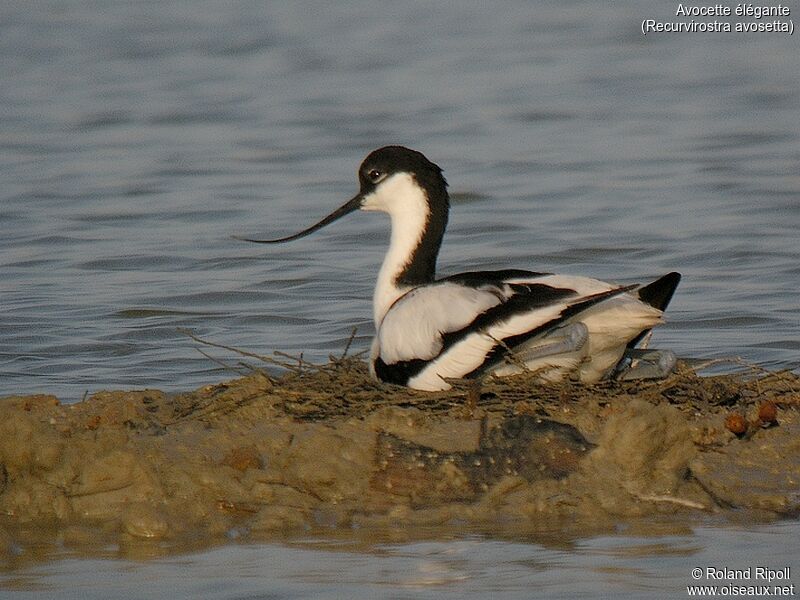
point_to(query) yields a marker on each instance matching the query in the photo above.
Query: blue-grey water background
(137, 137)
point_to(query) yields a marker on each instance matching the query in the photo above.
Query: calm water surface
(470, 568)
(137, 137)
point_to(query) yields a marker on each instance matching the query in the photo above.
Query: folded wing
(467, 324)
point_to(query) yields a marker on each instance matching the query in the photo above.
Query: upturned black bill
(350, 206)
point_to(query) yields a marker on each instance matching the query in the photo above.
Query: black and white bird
(429, 331)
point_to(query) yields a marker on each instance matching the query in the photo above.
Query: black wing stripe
(478, 278)
(527, 297)
(400, 372)
(501, 350)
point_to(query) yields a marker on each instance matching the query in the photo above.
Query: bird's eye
(374, 175)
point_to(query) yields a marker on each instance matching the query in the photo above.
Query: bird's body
(430, 331)
(466, 326)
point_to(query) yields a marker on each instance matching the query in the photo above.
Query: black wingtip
(658, 293)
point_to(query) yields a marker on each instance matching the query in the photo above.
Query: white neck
(407, 206)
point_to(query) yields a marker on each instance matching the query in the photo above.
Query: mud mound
(326, 447)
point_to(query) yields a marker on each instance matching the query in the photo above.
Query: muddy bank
(326, 448)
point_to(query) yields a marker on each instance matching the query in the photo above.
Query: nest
(343, 388)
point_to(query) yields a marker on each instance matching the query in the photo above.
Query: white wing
(413, 327)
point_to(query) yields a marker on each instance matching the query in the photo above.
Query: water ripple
(138, 139)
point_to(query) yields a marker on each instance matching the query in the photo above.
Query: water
(622, 566)
(136, 138)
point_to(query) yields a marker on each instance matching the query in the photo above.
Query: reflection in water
(653, 560)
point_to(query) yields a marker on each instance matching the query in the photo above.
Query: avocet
(431, 331)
